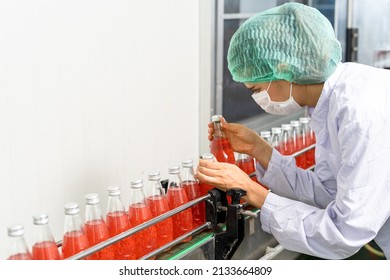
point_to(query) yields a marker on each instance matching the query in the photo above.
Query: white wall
(92, 93)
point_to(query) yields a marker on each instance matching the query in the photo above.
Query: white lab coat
(345, 203)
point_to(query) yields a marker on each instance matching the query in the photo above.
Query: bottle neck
(115, 204)
(188, 174)
(218, 131)
(174, 181)
(73, 223)
(17, 245)
(42, 233)
(155, 189)
(137, 196)
(93, 212)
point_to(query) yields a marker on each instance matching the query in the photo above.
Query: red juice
(73, 243)
(158, 205)
(221, 149)
(300, 159)
(182, 221)
(118, 222)
(145, 240)
(97, 232)
(46, 250)
(198, 211)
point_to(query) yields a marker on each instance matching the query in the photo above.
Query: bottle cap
(294, 123)
(304, 120)
(91, 198)
(174, 170)
(16, 230)
(136, 184)
(41, 219)
(265, 133)
(208, 156)
(114, 190)
(154, 176)
(72, 208)
(187, 163)
(216, 118)
(276, 130)
(286, 126)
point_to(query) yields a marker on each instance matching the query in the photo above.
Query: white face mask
(287, 107)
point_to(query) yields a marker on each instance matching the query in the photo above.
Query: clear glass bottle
(308, 139)
(205, 188)
(276, 138)
(17, 247)
(286, 143)
(297, 142)
(176, 195)
(220, 146)
(266, 135)
(96, 228)
(192, 188)
(44, 247)
(158, 203)
(139, 212)
(74, 240)
(117, 221)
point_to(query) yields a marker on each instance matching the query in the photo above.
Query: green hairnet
(292, 42)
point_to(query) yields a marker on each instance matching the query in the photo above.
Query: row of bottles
(291, 138)
(143, 206)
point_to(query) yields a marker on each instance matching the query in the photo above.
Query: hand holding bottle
(244, 140)
(226, 176)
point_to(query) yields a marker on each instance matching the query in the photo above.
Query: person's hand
(225, 176)
(244, 140)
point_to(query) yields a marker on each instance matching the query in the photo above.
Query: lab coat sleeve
(353, 217)
(284, 178)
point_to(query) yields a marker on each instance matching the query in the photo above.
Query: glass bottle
(308, 139)
(17, 247)
(276, 138)
(139, 212)
(287, 146)
(75, 240)
(45, 247)
(220, 146)
(204, 188)
(158, 203)
(297, 142)
(96, 228)
(176, 195)
(192, 188)
(266, 135)
(117, 221)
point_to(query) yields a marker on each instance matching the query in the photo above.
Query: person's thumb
(227, 126)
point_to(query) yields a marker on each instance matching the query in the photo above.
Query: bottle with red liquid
(96, 228)
(17, 247)
(220, 146)
(192, 188)
(287, 144)
(158, 203)
(297, 143)
(276, 138)
(44, 248)
(308, 139)
(205, 188)
(139, 212)
(75, 240)
(176, 195)
(117, 221)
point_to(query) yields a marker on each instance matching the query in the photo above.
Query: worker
(289, 58)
